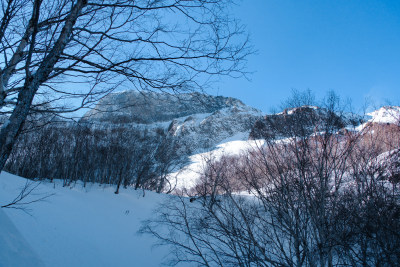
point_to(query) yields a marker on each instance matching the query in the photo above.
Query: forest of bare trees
(321, 196)
(118, 156)
(61, 55)
(315, 190)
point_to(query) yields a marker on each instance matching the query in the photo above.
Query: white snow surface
(387, 114)
(91, 226)
(77, 226)
(188, 176)
(14, 249)
(290, 111)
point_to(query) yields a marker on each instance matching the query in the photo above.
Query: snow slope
(199, 121)
(235, 145)
(77, 227)
(14, 249)
(387, 114)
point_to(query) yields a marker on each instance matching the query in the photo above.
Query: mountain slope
(149, 107)
(199, 121)
(386, 114)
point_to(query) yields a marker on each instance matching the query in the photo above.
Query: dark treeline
(115, 155)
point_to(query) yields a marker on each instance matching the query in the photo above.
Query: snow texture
(387, 114)
(235, 145)
(199, 121)
(14, 249)
(77, 227)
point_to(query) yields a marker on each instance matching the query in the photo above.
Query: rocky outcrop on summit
(300, 121)
(199, 121)
(207, 130)
(150, 107)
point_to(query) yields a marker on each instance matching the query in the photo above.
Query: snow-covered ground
(94, 227)
(77, 226)
(14, 249)
(235, 145)
(387, 114)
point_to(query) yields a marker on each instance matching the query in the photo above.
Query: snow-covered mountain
(194, 125)
(386, 114)
(212, 125)
(149, 107)
(202, 121)
(198, 120)
(91, 226)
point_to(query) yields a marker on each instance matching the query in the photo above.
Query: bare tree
(97, 45)
(312, 195)
(26, 198)
(119, 155)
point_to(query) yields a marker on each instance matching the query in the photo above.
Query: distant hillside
(150, 107)
(285, 124)
(200, 120)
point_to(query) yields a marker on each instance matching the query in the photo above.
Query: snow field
(78, 226)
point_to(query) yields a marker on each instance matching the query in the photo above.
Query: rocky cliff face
(301, 121)
(199, 121)
(150, 107)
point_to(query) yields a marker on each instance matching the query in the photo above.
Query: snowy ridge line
(386, 114)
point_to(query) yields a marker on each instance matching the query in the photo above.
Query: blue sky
(349, 46)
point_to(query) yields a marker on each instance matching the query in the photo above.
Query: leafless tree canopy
(120, 156)
(170, 45)
(323, 197)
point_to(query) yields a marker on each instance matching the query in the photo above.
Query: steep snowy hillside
(386, 114)
(188, 176)
(280, 126)
(199, 121)
(77, 226)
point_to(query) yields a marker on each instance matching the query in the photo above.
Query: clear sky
(349, 46)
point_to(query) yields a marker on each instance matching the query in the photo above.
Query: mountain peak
(149, 107)
(200, 121)
(386, 114)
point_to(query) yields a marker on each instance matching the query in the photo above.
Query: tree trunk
(11, 129)
(119, 181)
